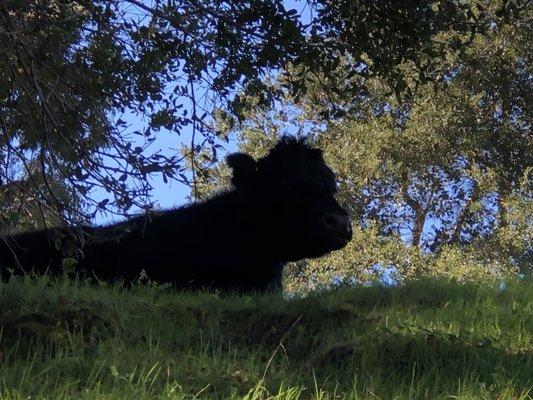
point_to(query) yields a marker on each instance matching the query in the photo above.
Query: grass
(426, 340)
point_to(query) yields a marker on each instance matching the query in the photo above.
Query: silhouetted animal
(281, 208)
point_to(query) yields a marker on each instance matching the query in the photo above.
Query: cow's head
(293, 191)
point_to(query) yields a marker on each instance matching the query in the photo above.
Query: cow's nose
(338, 224)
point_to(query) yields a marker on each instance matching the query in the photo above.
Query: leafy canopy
(71, 71)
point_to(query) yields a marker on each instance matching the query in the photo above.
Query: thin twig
(279, 346)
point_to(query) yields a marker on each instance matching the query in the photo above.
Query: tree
(439, 182)
(450, 172)
(70, 69)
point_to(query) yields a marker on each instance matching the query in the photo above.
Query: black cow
(281, 208)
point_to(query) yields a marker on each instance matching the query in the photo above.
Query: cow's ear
(244, 168)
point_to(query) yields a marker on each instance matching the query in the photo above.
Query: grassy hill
(425, 340)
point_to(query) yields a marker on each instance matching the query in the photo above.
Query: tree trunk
(419, 211)
(455, 236)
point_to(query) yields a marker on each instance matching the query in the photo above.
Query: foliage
(26, 203)
(427, 339)
(453, 176)
(439, 183)
(73, 71)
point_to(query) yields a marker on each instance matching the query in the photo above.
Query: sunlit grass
(427, 340)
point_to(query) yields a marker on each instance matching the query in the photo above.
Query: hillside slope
(426, 340)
